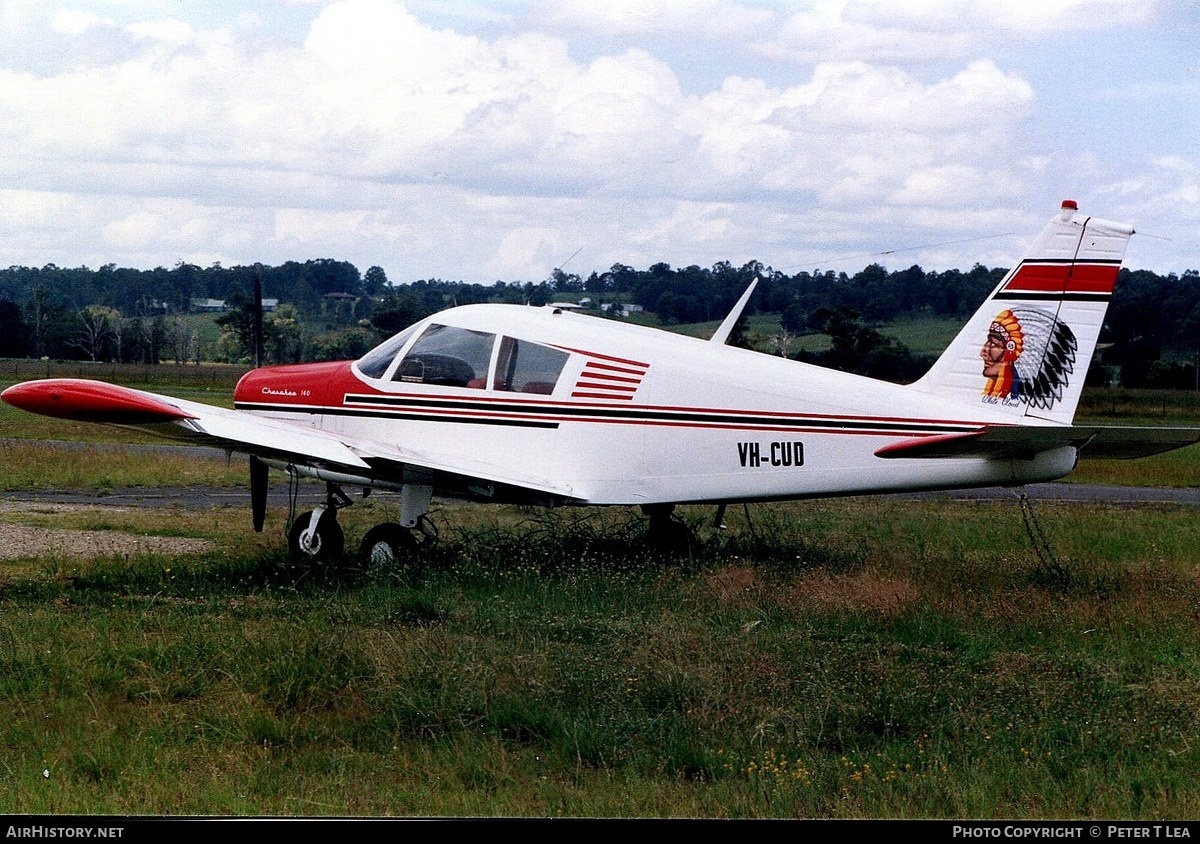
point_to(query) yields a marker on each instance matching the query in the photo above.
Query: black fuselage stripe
(472, 413)
(399, 414)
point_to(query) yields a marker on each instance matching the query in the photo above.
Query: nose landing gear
(317, 536)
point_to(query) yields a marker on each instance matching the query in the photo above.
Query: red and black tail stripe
(1061, 280)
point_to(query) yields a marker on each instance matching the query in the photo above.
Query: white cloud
(496, 147)
(940, 30)
(652, 17)
(73, 21)
(169, 30)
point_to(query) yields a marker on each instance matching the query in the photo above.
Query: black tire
(670, 535)
(328, 541)
(388, 546)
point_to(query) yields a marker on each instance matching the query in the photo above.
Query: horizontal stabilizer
(1023, 442)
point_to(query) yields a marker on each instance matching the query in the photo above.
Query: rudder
(1026, 351)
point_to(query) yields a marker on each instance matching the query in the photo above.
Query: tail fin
(1026, 351)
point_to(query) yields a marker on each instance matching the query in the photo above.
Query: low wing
(239, 431)
(1023, 442)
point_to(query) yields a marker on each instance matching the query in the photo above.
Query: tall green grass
(849, 659)
(40, 465)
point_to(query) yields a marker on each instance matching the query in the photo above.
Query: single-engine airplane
(544, 406)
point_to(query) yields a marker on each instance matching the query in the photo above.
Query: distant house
(220, 306)
(622, 310)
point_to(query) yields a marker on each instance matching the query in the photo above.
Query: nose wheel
(316, 536)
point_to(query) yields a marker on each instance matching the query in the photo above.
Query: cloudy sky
(481, 140)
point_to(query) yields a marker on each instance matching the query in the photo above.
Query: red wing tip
(90, 401)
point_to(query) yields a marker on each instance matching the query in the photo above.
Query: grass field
(857, 658)
(850, 659)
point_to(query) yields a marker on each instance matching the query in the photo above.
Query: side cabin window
(526, 367)
(447, 356)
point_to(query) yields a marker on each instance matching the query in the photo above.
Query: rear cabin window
(448, 356)
(525, 367)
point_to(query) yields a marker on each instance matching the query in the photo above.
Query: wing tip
(85, 400)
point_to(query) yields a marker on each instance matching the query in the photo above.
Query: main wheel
(324, 544)
(387, 546)
(673, 537)
(667, 533)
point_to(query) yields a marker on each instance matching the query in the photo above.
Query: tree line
(328, 309)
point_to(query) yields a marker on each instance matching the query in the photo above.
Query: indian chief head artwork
(1027, 357)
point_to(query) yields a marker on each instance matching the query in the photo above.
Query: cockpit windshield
(375, 362)
(448, 356)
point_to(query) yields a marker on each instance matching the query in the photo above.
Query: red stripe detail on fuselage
(401, 412)
(598, 356)
(588, 373)
(335, 387)
(624, 370)
(613, 381)
(583, 394)
(601, 381)
(614, 389)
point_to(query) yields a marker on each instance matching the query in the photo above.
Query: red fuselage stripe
(591, 364)
(597, 356)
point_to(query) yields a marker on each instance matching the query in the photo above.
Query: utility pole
(258, 316)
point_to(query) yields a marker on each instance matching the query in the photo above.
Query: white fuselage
(696, 421)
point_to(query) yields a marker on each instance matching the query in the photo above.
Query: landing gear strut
(667, 533)
(394, 544)
(316, 535)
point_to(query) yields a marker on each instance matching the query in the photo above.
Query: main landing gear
(390, 545)
(315, 536)
(667, 533)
